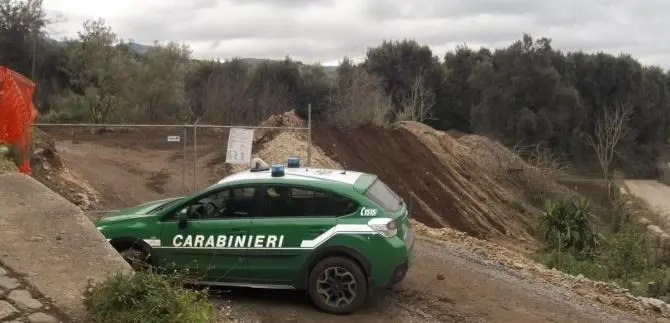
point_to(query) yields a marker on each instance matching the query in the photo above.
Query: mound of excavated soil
(509, 169)
(477, 195)
(443, 188)
(275, 146)
(49, 169)
(531, 183)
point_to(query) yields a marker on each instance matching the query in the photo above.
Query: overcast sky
(326, 30)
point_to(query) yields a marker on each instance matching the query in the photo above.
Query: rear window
(381, 194)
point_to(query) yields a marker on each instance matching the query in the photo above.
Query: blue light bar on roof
(293, 162)
(277, 170)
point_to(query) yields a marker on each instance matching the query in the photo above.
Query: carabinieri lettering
(228, 241)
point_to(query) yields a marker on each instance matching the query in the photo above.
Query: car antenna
(344, 165)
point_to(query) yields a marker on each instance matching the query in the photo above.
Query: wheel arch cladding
(123, 243)
(332, 251)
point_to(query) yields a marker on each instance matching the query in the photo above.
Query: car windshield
(381, 194)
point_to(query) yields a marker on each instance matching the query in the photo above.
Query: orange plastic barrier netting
(17, 113)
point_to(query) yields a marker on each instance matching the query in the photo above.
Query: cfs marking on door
(368, 212)
(228, 241)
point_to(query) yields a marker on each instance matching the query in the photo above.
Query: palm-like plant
(565, 225)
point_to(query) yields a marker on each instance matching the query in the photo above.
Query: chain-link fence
(132, 163)
(179, 144)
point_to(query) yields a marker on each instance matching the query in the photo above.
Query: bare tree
(416, 104)
(359, 98)
(610, 129)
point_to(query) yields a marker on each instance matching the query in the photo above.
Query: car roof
(302, 174)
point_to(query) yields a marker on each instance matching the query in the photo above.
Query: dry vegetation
(361, 99)
(7, 166)
(7, 159)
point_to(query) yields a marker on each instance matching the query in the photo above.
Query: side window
(287, 201)
(227, 203)
(340, 205)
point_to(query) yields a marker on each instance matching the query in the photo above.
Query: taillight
(385, 226)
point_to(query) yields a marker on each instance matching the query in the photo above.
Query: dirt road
(125, 176)
(655, 193)
(446, 284)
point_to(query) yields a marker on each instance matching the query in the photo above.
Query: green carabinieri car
(338, 234)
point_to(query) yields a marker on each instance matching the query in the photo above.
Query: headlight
(385, 226)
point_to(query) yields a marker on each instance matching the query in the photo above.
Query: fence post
(195, 154)
(309, 135)
(183, 161)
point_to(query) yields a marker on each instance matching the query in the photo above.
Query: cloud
(327, 30)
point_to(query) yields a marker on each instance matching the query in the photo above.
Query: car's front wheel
(337, 285)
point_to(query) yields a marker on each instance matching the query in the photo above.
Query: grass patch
(622, 255)
(7, 163)
(147, 297)
(7, 166)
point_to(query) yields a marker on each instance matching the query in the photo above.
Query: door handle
(316, 231)
(238, 231)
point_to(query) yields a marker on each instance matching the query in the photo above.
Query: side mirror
(183, 219)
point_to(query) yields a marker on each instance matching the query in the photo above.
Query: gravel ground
(448, 283)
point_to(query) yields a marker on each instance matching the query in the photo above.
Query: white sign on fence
(239, 146)
(173, 138)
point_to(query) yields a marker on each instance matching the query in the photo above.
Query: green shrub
(568, 263)
(11, 153)
(621, 256)
(7, 163)
(625, 253)
(147, 297)
(565, 225)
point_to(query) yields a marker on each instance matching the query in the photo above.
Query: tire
(351, 296)
(136, 258)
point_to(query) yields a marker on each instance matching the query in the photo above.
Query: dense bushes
(565, 227)
(147, 297)
(572, 245)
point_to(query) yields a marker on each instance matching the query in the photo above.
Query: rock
(440, 277)
(644, 221)
(7, 282)
(581, 292)
(655, 304)
(518, 265)
(41, 318)
(23, 299)
(6, 310)
(655, 230)
(3, 271)
(604, 300)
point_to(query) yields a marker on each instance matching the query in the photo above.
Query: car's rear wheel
(136, 258)
(337, 285)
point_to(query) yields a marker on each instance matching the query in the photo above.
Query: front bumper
(399, 273)
(409, 241)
